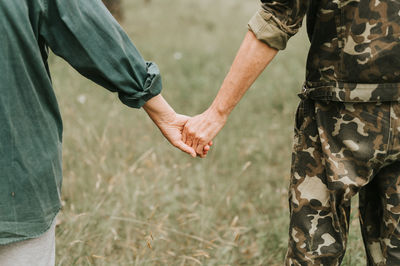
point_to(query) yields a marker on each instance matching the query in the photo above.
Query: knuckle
(191, 131)
(202, 138)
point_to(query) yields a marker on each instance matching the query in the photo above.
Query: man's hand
(201, 129)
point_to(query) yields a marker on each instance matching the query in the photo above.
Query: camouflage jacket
(355, 45)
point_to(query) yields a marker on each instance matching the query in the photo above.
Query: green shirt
(85, 34)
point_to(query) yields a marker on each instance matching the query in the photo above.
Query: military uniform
(347, 130)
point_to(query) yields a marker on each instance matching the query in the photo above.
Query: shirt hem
(36, 235)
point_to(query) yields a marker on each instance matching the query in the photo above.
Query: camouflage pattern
(355, 44)
(342, 149)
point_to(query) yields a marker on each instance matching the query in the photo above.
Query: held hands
(172, 129)
(197, 132)
(201, 129)
(170, 124)
(251, 59)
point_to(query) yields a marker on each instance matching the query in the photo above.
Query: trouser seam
(390, 135)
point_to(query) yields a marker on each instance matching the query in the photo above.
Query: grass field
(130, 198)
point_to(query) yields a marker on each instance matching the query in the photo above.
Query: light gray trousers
(33, 252)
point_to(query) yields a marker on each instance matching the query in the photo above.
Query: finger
(185, 148)
(206, 149)
(204, 155)
(184, 134)
(189, 140)
(195, 144)
(200, 149)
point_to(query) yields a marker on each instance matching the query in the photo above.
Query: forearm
(159, 110)
(252, 58)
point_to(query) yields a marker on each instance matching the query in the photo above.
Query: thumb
(182, 119)
(185, 148)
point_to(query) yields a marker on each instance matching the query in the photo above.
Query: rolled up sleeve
(278, 20)
(86, 35)
(152, 87)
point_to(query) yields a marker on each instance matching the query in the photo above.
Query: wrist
(219, 112)
(159, 110)
(166, 117)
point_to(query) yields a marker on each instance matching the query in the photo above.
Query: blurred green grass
(131, 199)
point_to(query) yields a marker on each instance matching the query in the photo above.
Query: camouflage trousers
(342, 149)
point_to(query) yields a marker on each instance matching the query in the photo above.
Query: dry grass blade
(172, 230)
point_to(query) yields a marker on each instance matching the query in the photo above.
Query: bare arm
(252, 58)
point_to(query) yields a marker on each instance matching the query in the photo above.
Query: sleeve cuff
(267, 30)
(152, 87)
